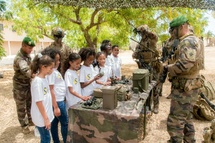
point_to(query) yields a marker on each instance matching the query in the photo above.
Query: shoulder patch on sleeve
(190, 54)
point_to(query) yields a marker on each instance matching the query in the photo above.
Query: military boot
(25, 130)
(155, 110)
(30, 123)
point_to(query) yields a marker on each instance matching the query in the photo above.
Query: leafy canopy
(87, 27)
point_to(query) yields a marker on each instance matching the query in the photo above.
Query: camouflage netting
(201, 4)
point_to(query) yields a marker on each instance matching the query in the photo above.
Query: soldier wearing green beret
(58, 35)
(21, 83)
(184, 76)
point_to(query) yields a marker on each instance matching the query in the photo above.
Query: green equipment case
(140, 80)
(109, 97)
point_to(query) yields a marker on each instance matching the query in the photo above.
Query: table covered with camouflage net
(126, 123)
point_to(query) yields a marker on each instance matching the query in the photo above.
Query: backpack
(122, 92)
(203, 108)
(207, 89)
(203, 111)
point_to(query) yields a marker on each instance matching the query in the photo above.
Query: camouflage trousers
(22, 98)
(179, 123)
(157, 93)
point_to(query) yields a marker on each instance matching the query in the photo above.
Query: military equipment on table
(97, 93)
(92, 103)
(122, 92)
(141, 79)
(109, 97)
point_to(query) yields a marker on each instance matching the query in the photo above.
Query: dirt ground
(10, 131)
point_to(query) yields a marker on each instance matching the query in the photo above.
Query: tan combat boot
(155, 110)
(25, 130)
(30, 123)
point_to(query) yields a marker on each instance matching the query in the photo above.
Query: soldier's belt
(186, 84)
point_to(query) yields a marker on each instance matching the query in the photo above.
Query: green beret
(28, 41)
(178, 21)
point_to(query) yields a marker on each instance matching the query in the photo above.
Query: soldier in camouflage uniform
(147, 55)
(58, 35)
(168, 50)
(21, 83)
(184, 75)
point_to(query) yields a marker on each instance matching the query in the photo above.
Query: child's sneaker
(36, 132)
(25, 130)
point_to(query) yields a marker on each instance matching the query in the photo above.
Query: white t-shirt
(107, 74)
(40, 91)
(108, 61)
(116, 66)
(72, 80)
(87, 74)
(57, 80)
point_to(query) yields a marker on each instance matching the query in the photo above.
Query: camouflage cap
(58, 32)
(28, 41)
(143, 28)
(178, 21)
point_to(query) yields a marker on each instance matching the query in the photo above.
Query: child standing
(106, 49)
(41, 107)
(103, 70)
(117, 62)
(58, 91)
(87, 75)
(71, 65)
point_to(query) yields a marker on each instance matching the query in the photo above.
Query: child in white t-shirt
(103, 70)
(58, 91)
(106, 49)
(41, 106)
(71, 66)
(87, 74)
(117, 62)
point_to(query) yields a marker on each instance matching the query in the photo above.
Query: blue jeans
(44, 135)
(63, 118)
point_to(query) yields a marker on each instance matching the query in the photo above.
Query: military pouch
(179, 83)
(192, 84)
(122, 93)
(147, 56)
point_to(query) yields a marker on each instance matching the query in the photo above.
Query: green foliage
(2, 9)
(87, 27)
(2, 51)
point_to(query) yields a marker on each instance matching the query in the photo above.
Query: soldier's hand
(134, 55)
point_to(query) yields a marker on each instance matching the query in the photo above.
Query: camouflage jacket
(21, 66)
(188, 58)
(168, 49)
(148, 43)
(64, 50)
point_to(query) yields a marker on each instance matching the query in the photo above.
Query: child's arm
(73, 92)
(103, 83)
(43, 113)
(54, 102)
(84, 84)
